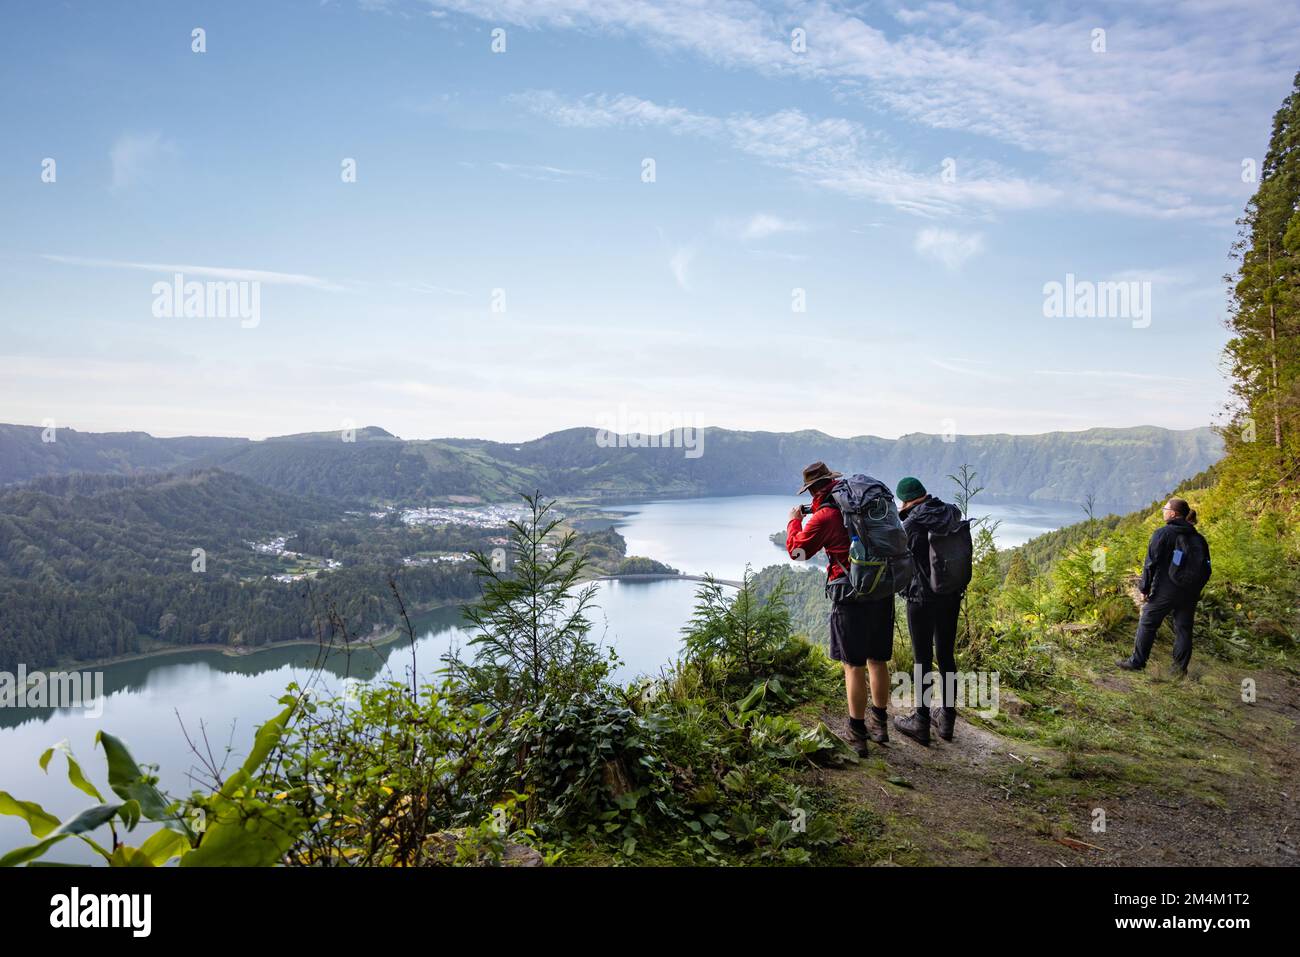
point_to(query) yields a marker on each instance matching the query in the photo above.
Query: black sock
(878, 712)
(858, 724)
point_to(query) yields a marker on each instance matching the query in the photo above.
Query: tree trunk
(1272, 335)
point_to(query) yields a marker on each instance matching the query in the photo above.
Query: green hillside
(1120, 468)
(377, 471)
(28, 452)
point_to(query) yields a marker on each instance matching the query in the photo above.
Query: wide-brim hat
(815, 473)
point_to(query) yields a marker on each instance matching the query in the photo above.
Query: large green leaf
(266, 738)
(75, 775)
(128, 781)
(232, 838)
(39, 821)
(130, 857)
(264, 742)
(234, 841)
(131, 814)
(87, 820)
(163, 845)
(752, 700)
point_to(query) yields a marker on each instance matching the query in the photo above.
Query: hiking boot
(1127, 664)
(857, 739)
(945, 719)
(877, 730)
(916, 726)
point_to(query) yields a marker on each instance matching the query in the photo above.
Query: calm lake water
(721, 535)
(146, 701)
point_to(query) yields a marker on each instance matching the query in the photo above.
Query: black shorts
(862, 631)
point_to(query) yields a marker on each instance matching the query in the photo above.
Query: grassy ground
(1102, 767)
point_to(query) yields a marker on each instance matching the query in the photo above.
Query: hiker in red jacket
(862, 633)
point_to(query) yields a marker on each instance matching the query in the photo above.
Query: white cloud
(834, 154)
(948, 246)
(1163, 277)
(430, 289)
(1138, 129)
(963, 367)
(1114, 374)
(680, 263)
(133, 156)
(763, 225)
(549, 174)
(218, 272)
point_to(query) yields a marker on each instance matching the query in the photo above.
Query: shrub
(375, 777)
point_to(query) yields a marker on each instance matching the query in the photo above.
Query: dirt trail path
(994, 798)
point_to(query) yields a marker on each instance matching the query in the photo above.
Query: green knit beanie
(910, 488)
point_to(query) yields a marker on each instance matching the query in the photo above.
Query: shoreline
(385, 637)
(388, 636)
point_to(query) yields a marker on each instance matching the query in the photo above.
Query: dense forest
(95, 566)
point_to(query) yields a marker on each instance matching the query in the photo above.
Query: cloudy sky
(752, 215)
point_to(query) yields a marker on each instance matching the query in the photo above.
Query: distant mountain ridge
(28, 452)
(370, 433)
(1122, 468)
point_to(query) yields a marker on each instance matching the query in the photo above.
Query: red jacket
(823, 529)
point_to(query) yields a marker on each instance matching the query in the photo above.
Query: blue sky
(776, 170)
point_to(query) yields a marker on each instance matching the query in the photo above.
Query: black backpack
(951, 559)
(868, 510)
(1189, 565)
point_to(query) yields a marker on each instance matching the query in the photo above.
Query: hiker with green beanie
(910, 489)
(938, 537)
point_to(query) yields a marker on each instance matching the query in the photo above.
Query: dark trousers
(1157, 609)
(933, 626)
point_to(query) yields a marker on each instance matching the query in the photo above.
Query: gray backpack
(885, 566)
(951, 560)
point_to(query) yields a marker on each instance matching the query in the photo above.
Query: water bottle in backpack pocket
(864, 574)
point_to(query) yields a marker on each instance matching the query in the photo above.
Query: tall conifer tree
(1263, 434)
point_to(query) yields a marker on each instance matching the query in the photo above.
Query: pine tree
(532, 631)
(1263, 433)
(1018, 571)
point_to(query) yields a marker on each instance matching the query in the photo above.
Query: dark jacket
(824, 528)
(1160, 551)
(919, 520)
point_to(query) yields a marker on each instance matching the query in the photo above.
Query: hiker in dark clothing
(931, 616)
(1176, 569)
(862, 633)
